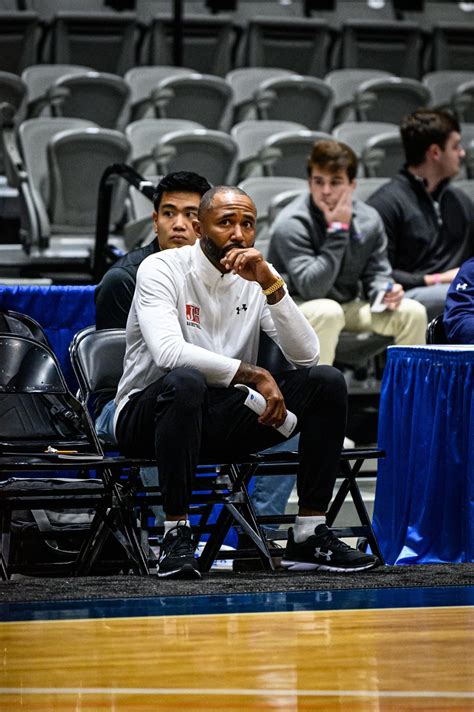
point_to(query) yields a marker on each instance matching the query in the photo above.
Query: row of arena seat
(116, 41)
(217, 103)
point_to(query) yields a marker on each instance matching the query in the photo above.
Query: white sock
(305, 526)
(171, 525)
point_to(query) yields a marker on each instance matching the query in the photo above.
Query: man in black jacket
(429, 224)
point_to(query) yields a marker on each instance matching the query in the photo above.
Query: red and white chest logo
(192, 316)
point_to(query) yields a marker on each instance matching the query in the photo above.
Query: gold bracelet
(275, 286)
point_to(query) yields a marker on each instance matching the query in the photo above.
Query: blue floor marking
(240, 603)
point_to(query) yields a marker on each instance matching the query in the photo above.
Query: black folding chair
(435, 331)
(97, 358)
(45, 430)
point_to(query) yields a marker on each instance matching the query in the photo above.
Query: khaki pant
(407, 324)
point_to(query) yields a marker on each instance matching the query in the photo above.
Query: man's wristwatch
(277, 284)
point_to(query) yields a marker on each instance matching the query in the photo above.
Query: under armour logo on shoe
(243, 307)
(326, 554)
(461, 285)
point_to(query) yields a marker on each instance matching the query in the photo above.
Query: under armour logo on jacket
(461, 285)
(243, 307)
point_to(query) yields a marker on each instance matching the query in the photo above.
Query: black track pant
(180, 421)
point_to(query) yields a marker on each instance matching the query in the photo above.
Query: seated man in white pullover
(192, 334)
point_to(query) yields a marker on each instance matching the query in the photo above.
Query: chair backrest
(12, 322)
(104, 40)
(142, 80)
(20, 33)
(357, 133)
(287, 153)
(244, 82)
(13, 90)
(73, 201)
(193, 96)
(97, 96)
(36, 407)
(145, 134)
(207, 43)
(466, 185)
(462, 101)
(12, 107)
(365, 187)
(393, 97)
(299, 44)
(97, 359)
(39, 78)
(452, 45)
(383, 156)
(210, 153)
(435, 331)
(250, 136)
(344, 83)
(391, 45)
(296, 98)
(34, 136)
(442, 85)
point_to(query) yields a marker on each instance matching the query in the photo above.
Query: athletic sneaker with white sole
(177, 558)
(323, 551)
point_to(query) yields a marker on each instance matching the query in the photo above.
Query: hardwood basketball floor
(367, 660)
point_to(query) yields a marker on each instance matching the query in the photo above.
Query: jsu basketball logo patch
(192, 316)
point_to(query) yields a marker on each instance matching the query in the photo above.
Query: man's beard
(215, 253)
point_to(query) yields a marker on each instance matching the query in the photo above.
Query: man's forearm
(247, 373)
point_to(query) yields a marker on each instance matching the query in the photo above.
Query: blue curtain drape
(424, 503)
(61, 311)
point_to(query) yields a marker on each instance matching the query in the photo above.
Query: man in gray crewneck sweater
(333, 250)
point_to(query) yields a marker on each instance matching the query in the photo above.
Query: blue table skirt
(424, 504)
(61, 311)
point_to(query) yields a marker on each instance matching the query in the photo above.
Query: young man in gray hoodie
(333, 249)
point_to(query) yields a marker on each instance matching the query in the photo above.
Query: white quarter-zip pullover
(186, 313)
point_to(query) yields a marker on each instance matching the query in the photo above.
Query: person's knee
(413, 311)
(188, 386)
(331, 380)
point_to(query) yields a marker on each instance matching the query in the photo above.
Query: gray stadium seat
(442, 85)
(383, 155)
(58, 205)
(452, 46)
(299, 44)
(104, 40)
(344, 83)
(142, 81)
(20, 33)
(462, 102)
(365, 187)
(210, 153)
(244, 82)
(287, 153)
(145, 134)
(250, 137)
(357, 133)
(207, 43)
(202, 96)
(39, 79)
(304, 99)
(97, 96)
(394, 97)
(392, 46)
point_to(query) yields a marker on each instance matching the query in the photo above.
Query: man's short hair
(333, 156)
(181, 181)
(421, 129)
(207, 199)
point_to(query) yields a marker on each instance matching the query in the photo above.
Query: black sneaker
(177, 558)
(324, 551)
